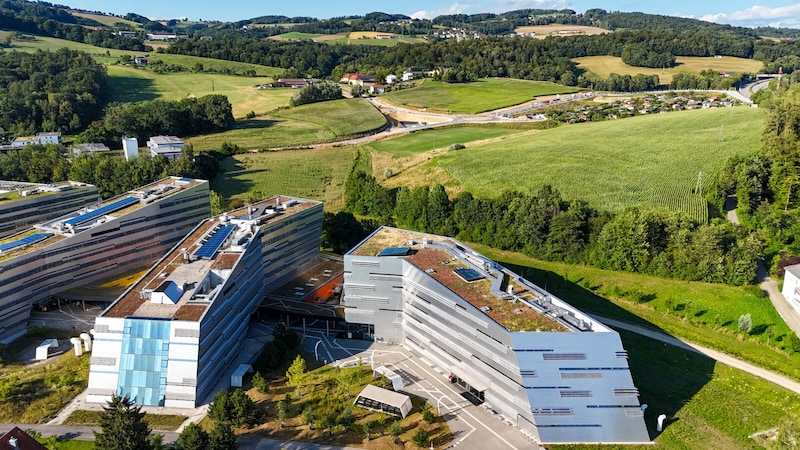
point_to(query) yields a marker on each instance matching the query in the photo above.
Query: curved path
(765, 282)
(780, 380)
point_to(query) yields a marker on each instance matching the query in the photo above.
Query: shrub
(745, 323)
(456, 147)
(260, 383)
(421, 438)
(251, 115)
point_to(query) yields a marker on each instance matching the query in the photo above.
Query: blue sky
(782, 13)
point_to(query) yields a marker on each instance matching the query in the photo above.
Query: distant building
(391, 78)
(165, 36)
(287, 83)
(357, 79)
(169, 339)
(40, 138)
(124, 233)
(378, 88)
(130, 146)
(88, 147)
(169, 146)
(26, 204)
(140, 60)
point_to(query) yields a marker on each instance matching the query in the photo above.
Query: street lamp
(316, 357)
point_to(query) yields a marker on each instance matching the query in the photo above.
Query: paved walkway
(773, 377)
(765, 282)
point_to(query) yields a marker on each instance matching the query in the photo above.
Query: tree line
(52, 91)
(544, 225)
(160, 117)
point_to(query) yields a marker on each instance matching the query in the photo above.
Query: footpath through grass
(704, 313)
(651, 162)
(476, 97)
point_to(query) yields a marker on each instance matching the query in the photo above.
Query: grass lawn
(651, 162)
(317, 174)
(430, 139)
(472, 98)
(35, 393)
(329, 390)
(157, 422)
(108, 21)
(298, 35)
(606, 65)
(704, 313)
(298, 126)
(128, 83)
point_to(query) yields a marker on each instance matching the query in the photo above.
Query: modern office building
(169, 338)
(110, 238)
(24, 204)
(531, 358)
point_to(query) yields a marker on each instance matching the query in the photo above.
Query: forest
(47, 20)
(51, 91)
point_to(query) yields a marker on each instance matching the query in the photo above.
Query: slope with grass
(317, 174)
(430, 139)
(298, 126)
(651, 162)
(129, 84)
(606, 65)
(476, 97)
(704, 313)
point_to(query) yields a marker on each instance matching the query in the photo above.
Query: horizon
(746, 13)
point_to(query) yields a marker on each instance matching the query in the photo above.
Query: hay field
(606, 65)
(471, 98)
(542, 31)
(651, 162)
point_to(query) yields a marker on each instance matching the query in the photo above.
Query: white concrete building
(170, 338)
(169, 146)
(537, 362)
(110, 238)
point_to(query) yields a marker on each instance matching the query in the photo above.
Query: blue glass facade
(143, 363)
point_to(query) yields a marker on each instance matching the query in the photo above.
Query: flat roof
(199, 272)
(513, 302)
(87, 218)
(11, 191)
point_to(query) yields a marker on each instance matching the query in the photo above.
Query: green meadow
(317, 174)
(298, 126)
(476, 97)
(652, 162)
(433, 138)
(129, 84)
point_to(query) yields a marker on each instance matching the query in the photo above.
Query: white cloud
(494, 6)
(758, 15)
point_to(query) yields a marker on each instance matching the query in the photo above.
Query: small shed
(379, 399)
(43, 350)
(791, 286)
(238, 374)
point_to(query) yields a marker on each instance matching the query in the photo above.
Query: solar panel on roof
(394, 251)
(468, 275)
(27, 240)
(119, 204)
(214, 242)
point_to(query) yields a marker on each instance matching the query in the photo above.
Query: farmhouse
(536, 361)
(126, 34)
(378, 88)
(109, 238)
(140, 60)
(171, 337)
(358, 79)
(295, 83)
(391, 78)
(169, 146)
